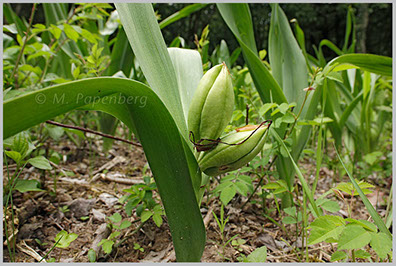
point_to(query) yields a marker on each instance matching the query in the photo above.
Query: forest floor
(88, 194)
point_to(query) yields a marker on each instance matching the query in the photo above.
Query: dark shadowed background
(318, 21)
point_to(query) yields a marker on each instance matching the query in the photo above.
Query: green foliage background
(319, 21)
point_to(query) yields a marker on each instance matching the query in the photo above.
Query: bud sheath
(225, 158)
(212, 105)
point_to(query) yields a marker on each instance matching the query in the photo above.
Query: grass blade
(377, 219)
(181, 14)
(304, 184)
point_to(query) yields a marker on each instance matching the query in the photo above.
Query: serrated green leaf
(362, 254)
(372, 157)
(331, 206)
(283, 108)
(157, 218)
(125, 224)
(227, 194)
(145, 215)
(289, 220)
(266, 107)
(114, 234)
(258, 255)
(354, 237)
(115, 218)
(288, 118)
(381, 243)
(107, 245)
(366, 224)
(324, 228)
(290, 211)
(242, 188)
(55, 31)
(70, 32)
(338, 255)
(91, 255)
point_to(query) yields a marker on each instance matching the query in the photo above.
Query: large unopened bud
(225, 158)
(212, 105)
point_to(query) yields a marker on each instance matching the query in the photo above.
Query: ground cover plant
(119, 146)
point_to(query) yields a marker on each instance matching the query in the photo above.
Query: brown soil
(39, 216)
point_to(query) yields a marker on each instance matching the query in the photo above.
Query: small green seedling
(118, 224)
(136, 246)
(65, 239)
(293, 216)
(237, 243)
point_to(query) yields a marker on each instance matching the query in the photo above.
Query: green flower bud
(212, 105)
(225, 158)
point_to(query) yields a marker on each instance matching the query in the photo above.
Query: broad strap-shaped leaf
(289, 68)
(165, 149)
(121, 55)
(141, 27)
(373, 213)
(238, 19)
(377, 64)
(286, 59)
(188, 69)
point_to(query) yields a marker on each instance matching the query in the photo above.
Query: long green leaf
(55, 12)
(188, 69)
(351, 106)
(121, 55)
(238, 19)
(373, 213)
(377, 64)
(330, 45)
(181, 14)
(13, 18)
(141, 27)
(304, 184)
(121, 59)
(164, 147)
(286, 59)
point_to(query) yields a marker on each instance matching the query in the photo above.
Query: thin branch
(14, 71)
(92, 132)
(260, 182)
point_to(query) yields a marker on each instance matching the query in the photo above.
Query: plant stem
(14, 71)
(260, 182)
(119, 243)
(46, 255)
